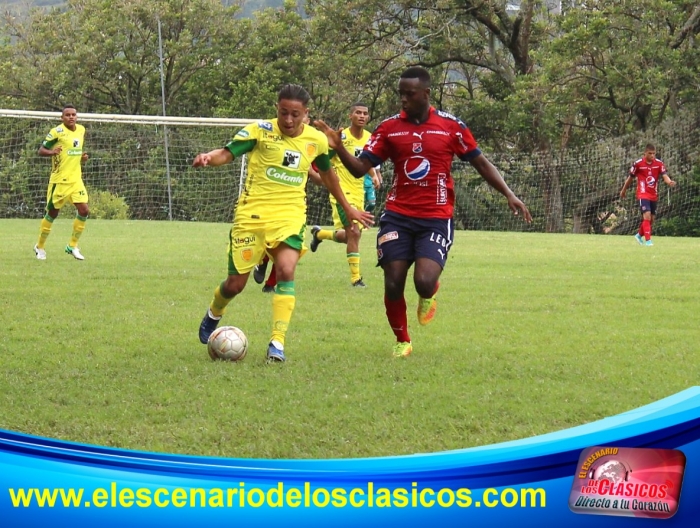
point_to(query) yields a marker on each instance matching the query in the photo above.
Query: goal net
(129, 175)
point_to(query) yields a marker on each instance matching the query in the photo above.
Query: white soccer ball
(227, 343)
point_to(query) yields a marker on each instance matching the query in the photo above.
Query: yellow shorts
(250, 239)
(339, 219)
(60, 193)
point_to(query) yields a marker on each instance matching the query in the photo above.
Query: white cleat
(40, 253)
(75, 252)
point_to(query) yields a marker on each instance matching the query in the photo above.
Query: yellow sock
(354, 263)
(219, 302)
(326, 234)
(78, 228)
(44, 231)
(283, 302)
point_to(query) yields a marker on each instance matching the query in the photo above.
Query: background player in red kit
(417, 225)
(648, 170)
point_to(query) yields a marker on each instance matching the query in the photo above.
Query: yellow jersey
(351, 186)
(277, 169)
(66, 166)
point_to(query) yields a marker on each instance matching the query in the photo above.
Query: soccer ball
(227, 343)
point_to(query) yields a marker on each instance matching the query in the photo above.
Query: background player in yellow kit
(64, 144)
(354, 139)
(270, 216)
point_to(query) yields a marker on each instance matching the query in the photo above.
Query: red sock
(396, 314)
(272, 279)
(646, 228)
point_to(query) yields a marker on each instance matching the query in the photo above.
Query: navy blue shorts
(407, 238)
(647, 205)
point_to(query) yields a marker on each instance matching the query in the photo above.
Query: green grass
(534, 333)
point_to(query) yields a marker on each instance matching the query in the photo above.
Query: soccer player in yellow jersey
(354, 139)
(64, 144)
(270, 216)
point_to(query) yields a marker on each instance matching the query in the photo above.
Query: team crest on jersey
(417, 148)
(291, 159)
(311, 150)
(416, 168)
(247, 254)
(265, 125)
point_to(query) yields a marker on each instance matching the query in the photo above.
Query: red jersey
(648, 176)
(422, 155)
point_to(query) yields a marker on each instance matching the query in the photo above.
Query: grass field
(534, 333)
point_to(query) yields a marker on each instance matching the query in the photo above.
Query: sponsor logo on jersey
(343, 136)
(358, 151)
(280, 176)
(447, 115)
(416, 168)
(291, 159)
(391, 235)
(265, 125)
(75, 152)
(59, 129)
(419, 136)
(76, 142)
(242, 134)
(245, 240)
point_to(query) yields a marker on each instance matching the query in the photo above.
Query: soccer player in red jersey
(417, 225)
(648, 171)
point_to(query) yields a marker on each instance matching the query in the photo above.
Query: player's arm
(85, 156)
(50, 148)
(224, 155)
(315, 177)
(626, 185)
(376, 177)
(358, 167)
(668, 180)
(490, 173)
(331, 182)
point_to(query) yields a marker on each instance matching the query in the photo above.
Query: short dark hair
(294, 92)
(65, 107)
(417, 72)
(358, 103)
(650, 146)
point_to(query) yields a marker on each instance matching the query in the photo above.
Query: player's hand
(201, 160)
(363, 217)
(517, 206)
(672, 183)
(623, 193)
(377, 183)
(84, 157)
(56, 151)
(334, 138)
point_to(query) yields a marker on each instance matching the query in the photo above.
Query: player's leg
(286, 256)
(652, 216)
(47, 222)
(395, 255)
(271, 282)
(432, 246)
(353, 235)
(261, 269)
(79, 198)
(337, 234)
(645, 227)
(370, 196)
(239, 269)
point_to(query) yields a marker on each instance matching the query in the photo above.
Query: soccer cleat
(207, 326)
(268, 289)
(639, 239)
(75, 252)
(259, 272)
(40, 253)
(359, 284)
(427, 308)
(649, 243)
(315, 241)
(402, 349)
(275, 354)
